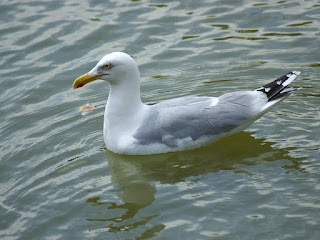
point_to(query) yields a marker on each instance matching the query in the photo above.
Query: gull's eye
(107, 66)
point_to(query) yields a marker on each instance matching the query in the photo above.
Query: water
(58, 181)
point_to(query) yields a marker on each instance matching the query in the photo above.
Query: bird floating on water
(134, 128)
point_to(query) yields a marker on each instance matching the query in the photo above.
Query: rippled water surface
(58, 181)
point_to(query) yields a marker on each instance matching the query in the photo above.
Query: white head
(116, 68)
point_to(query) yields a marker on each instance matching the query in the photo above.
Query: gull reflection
(232, 153)
(135, 177)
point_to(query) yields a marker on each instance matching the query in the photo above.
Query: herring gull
(134, 128)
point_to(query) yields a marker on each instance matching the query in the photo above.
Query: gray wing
(194, 117)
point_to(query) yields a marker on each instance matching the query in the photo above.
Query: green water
(58, 181)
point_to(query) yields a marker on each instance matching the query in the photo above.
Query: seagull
(134, 128)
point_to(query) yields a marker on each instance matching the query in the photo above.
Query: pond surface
(58, 181)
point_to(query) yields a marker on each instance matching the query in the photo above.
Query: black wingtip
(274, 89)
(283, 93)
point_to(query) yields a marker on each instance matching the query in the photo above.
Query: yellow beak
(84, 79)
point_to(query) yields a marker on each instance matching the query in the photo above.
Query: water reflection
(231, 153)
(135, 178)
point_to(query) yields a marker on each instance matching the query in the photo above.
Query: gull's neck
(123, 115)
(124, 99)
(124, 109)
